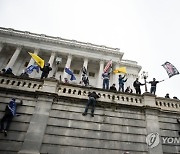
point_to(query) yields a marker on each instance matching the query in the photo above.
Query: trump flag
(170, 69)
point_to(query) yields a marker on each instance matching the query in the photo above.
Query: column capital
(101, 61)
(19, 47)
(69, 56)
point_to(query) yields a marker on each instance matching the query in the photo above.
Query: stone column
(51, 59)
(153, 138)
(115, 76)
(14, 58)
(100, 81)
(31, 62)
(85, 63)
(68, 64)
(1, 46)
(35, 133)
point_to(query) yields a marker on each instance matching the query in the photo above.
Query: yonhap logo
(152, 140)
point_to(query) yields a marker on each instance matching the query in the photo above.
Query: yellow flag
(37, 59)
(120, 70)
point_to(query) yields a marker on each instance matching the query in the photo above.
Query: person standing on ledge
(45, 71)
(137, 85)
(153, 85)
(121, 82)
(92, 100)
(10, 112)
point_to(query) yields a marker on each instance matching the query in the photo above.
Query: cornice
(59, 40)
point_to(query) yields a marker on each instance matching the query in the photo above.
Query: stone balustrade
(20, 83)
(168, 104)
(107, 98)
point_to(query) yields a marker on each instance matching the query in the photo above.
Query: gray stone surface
(58, 127)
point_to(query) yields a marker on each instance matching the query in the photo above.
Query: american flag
(108, 66)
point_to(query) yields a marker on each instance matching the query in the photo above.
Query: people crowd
(85, 80)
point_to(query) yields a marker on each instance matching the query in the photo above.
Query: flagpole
(145, 76)
(58, 61)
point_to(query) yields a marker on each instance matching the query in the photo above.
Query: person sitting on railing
(175, 98)
(92, 100)
(3, 71)
(128, 90)
(9, 72)
(121, 82)
(45, 71)
(167, 96)
(113, 88)
(137, 85)
(10, 112)
(24, 74)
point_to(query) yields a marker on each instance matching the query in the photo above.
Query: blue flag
(68, 71)
(30, 69)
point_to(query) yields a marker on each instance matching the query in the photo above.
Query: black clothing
(153, 86)
(128, 90)
(9, 72)
(112, 88)
(167, 96)
(24, 75)
(45, 71)
(8, 116)
(93, 94)
(92, 100)
(137, 85)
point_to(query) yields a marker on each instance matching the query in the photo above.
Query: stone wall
(51, 120)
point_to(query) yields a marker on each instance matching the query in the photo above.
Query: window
(26, 64)
(92, 74)
(76, 71)
(60, 69)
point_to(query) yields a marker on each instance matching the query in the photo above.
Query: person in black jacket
(10, 112)
(153, 85)
(92, 100)
(113, 88)
(45, 71)
(137, 85)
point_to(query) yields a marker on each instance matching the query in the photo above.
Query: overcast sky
(147, 31)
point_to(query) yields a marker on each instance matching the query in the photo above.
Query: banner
(171, 70)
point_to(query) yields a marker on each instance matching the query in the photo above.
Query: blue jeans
(92, 101)
(121, 86)
(153, 90)
(106, 84)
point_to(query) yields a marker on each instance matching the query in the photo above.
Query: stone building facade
(15, 45)
(51, 120)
